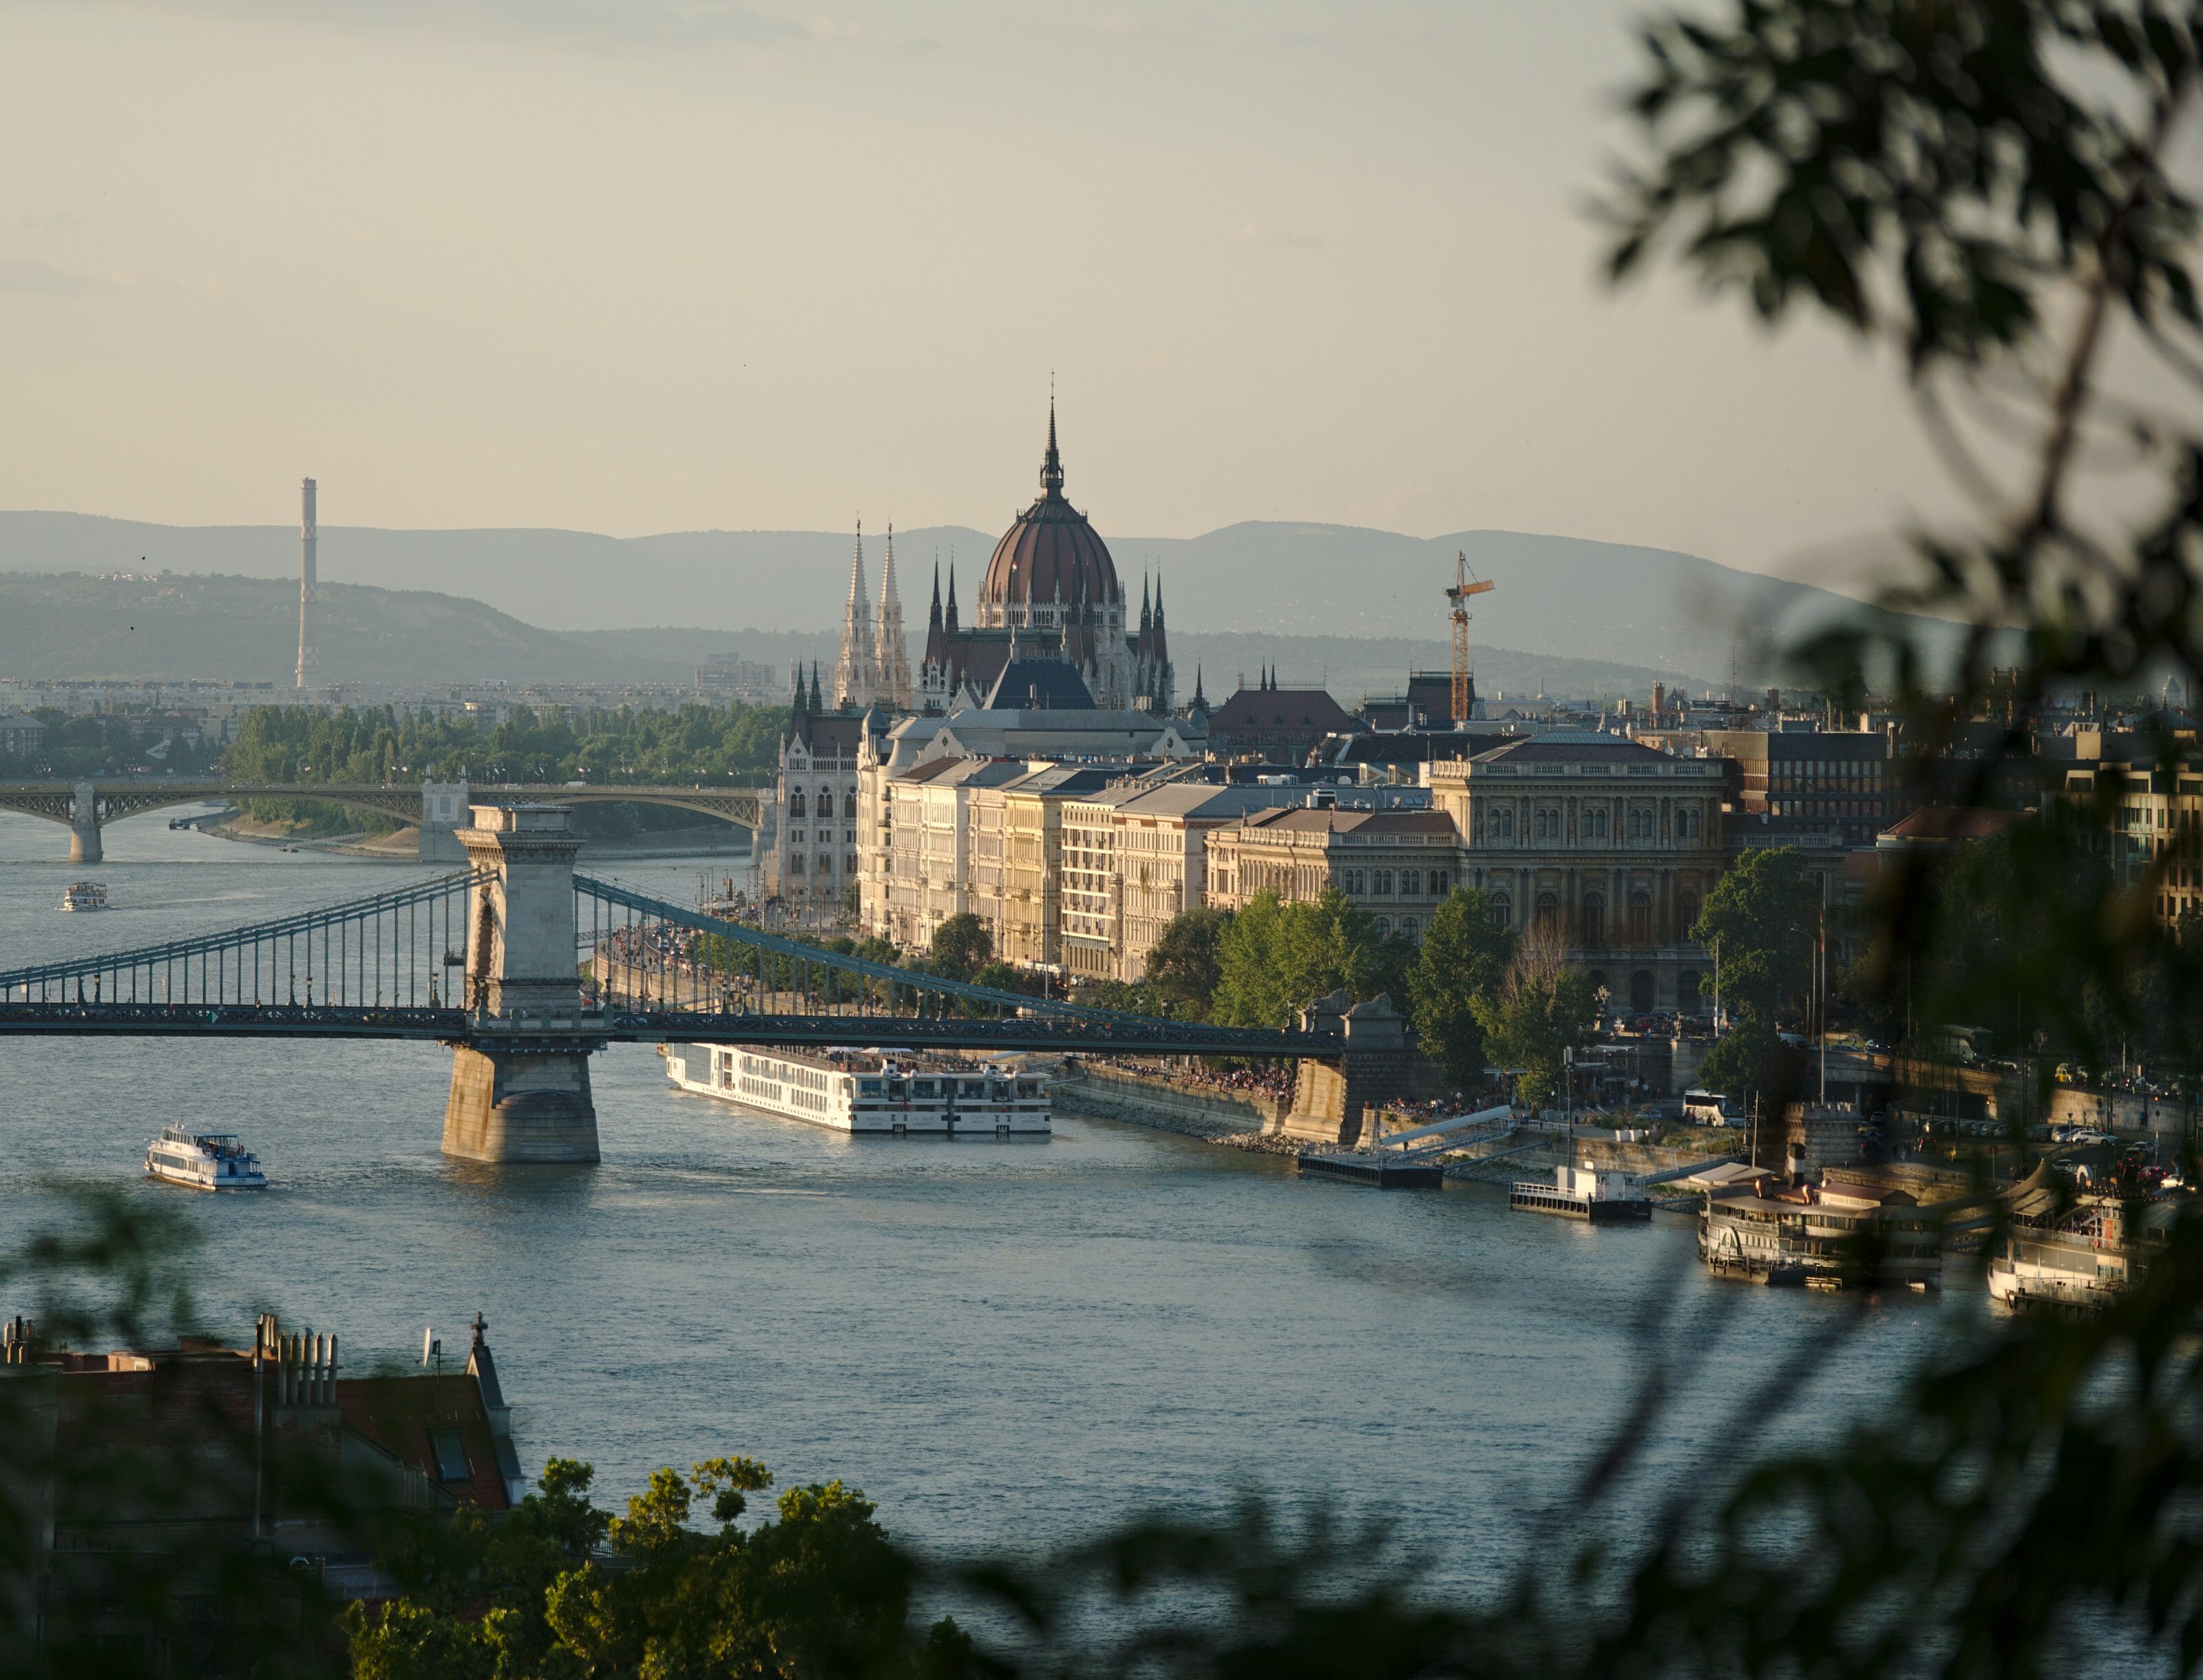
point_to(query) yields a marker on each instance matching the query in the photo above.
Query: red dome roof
(1051, 553)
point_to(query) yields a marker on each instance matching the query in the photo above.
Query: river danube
(1002, 1344)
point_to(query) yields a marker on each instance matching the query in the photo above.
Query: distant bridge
(526, 968)
(436, 809)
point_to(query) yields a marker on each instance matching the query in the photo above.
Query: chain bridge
(436, 809)
(526, 968)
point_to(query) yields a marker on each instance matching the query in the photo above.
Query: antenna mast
(1465, 585)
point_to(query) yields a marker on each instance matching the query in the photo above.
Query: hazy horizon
(661, 267)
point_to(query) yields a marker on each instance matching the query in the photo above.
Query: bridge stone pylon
(84, 825)
(519, 1085)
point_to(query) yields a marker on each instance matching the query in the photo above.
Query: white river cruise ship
(203, 1161)
(869, 1092)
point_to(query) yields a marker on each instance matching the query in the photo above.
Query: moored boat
(1602, 1195)
(879, 1094)
(1820, 1235)
(203, 1161)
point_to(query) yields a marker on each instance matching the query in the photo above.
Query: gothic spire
(1051, 465)
(1147, 613)
(952, 588)
(933, 617)
(890, 647)
(857, 673)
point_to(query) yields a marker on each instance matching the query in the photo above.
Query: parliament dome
(1050, 555)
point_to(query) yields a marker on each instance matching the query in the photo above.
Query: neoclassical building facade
(1613, 843)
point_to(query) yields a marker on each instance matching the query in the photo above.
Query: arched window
(796, 864)
(1686, 913)
(1549, 910)
(1383, 882)
(826, 802)
(1641, 991)
(849, 802)
(1502, 825)
(1594, 919)
(1640, 921)
(1411, 930)
(1594, 825)
(1687, 824)
(1503, 911)
(795, 807)
(1384, 924)
(1439, 887)
(1411, 883)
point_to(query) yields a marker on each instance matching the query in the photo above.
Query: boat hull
(789, 1088)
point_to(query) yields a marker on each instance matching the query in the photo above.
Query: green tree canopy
(1760, 921)
(1185, 964)
(1539, 1010)
(1275, 959)
(962, 946)
(1466, 951)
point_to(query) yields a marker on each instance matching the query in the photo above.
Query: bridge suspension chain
(637, 946)
(400, 949)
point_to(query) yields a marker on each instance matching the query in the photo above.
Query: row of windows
(1638, 923)
(1550, 823)
(797, 806)
(1378, 883)
(825, 866)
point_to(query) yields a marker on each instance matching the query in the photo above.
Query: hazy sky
(649, 265)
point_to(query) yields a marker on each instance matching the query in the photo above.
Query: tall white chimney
(307, 568)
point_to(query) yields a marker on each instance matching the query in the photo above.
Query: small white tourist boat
(84, 895)
(203, 1161)
(890, 1094)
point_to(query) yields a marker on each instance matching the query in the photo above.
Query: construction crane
(1465, 583)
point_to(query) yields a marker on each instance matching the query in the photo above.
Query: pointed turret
(1051, 465)
(1147, 613)
(890, 647)
(952, 589)
(1155, 648)
(857, 674)
(933, 614)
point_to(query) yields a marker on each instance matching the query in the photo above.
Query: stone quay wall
(1144, 1100)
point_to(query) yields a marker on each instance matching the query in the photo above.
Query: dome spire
(1051, 465)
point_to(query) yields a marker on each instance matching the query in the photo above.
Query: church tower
(857, 673)
(891, 648)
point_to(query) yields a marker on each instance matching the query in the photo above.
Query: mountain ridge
(1558, 598)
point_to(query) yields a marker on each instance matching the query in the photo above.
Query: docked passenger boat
(84, 895)
(1820, 1234)
(1601, 1195)
(203, 1161)
(2076, 1260)
(869, 1092)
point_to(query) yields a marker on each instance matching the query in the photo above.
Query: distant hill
(1558, 599)
(245, 630)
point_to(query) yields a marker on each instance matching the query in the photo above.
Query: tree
(1185, 964)
(820, 1590)
(1466, 951)
(1274, 959)
(1537, 1012)
(1761, 919)
(962, 946)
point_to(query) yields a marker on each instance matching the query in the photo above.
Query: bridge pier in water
(520, 1086)
(1331, 1099)
(84, 825)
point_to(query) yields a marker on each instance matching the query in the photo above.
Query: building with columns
(1611, 841)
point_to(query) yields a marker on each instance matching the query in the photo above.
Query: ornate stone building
(809, 846)
(1609, 842)
(1050, 577)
